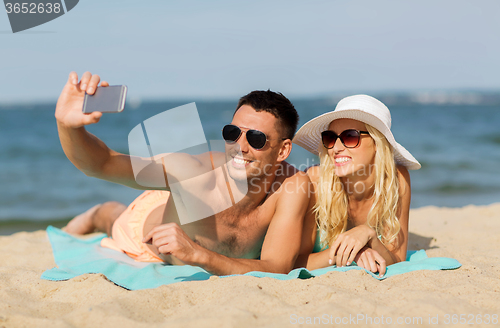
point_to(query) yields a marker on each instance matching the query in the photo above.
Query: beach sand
(469, 234)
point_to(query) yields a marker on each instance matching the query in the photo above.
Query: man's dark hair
(277, 105)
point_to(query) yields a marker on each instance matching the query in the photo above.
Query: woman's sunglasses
(349, 138)
(256, 139)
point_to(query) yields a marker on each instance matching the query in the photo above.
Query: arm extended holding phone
(76, 108)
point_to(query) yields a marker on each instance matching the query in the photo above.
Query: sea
(455, 136)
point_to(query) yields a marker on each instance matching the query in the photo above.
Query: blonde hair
(331, 207)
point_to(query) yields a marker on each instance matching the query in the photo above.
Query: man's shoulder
(290, 173)
(293, 194)
(294, 181)
(294, 175)
(313, 172)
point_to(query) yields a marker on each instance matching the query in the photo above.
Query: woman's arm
(361, 235)
(350, 243)
(317, 260)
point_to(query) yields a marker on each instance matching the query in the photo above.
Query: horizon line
(430, 93)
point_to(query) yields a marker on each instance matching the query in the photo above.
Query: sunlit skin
(259, 163)
(357, 168)
(359, 242)
(358, 180)
(268, 219)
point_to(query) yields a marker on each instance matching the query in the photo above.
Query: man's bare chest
(233, 234)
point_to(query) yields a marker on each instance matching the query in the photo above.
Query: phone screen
(106, 100)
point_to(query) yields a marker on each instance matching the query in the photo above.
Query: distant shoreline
(456, 97)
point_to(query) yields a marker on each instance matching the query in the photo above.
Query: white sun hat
(361, 108)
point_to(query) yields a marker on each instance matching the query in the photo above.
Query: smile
(342, 160)
(240, 162)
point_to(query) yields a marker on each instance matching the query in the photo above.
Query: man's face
(245, 162)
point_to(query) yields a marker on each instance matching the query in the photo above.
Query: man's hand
(371, 260)
(172, 240)
(348, 244)
(70, 103)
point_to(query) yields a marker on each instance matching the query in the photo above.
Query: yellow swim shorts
(128, 230)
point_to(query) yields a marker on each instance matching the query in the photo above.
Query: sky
(223, 49)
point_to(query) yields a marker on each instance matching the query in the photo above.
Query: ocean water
(457, 143)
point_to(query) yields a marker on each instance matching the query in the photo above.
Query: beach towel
(75, 256)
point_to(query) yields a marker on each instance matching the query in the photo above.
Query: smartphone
(106, 99)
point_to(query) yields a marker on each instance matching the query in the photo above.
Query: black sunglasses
(256, 139)
(349, 138)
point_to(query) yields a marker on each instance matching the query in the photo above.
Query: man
(268, 217)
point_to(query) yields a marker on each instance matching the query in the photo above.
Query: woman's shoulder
(402, 171)
(404, 178)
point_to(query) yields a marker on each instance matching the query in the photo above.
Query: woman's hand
(348, 244)
(371, 260)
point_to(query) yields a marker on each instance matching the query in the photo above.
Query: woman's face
(352, 162)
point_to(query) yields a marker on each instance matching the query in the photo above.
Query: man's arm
(91, 156)
(306, 258)
(87, 152)
(309, 232)
(281, 244)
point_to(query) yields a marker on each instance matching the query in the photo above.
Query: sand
(421, 298)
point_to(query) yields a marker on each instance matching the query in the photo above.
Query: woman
(362, 187)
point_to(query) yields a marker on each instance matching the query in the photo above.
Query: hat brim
(309, 135)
